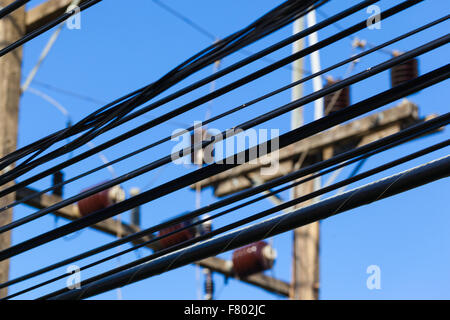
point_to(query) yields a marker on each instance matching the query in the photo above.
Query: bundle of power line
(178, 240)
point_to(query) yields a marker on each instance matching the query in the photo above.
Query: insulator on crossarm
(359, 43)
(337, 100)
(405, 71)
(254, 258)
(101, 200)
(177, 237)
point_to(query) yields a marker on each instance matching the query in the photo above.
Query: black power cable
(93, 118)
(45, 28)
(275, 20)
(288, 138)
(188, 21)
(12, 7)
(352, 156)
(202, 173)
(253, 58)
(118, 119)
(64, 134)
(245, 105)
(252, 33)
(212, 37)
(241, 222)
(352, 199)
(198, 101)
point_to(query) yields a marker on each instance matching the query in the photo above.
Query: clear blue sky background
(125, 45)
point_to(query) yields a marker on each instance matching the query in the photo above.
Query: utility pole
(305, 284)
(305, 258)
(12, 28)
(321, 146)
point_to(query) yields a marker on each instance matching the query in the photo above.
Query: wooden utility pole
(109, 226)
(12, 28)
(305, 276)
(323, 145)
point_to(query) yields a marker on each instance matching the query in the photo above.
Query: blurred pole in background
(305, 243)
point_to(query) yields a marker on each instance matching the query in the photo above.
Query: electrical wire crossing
(177, 241)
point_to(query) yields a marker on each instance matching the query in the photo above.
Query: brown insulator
(201, 156)
(100, 200)
(177, 237)
(337, 100)
(403, 72)
(253, 258)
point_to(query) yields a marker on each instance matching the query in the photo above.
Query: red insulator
(337, 100)
(201, 156)
(253, 258)
(403, 72)
(100, 200)
(178, 237)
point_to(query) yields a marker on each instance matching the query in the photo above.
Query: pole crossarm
(360, 196)
(109, 226)
(71, 212)
(322, 140)
(366, 130)
(46, 12)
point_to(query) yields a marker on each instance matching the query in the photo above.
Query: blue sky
(123, 46)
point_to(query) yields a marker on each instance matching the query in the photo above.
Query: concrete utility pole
(12, 28)
(305, 259)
